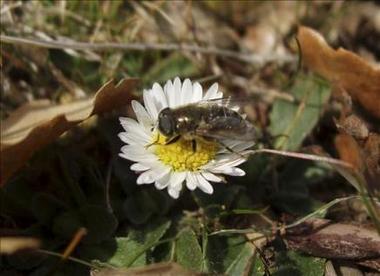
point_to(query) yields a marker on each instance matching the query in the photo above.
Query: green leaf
(170, 67)
(308, 265)
(242, 262)
(258, 267)
(293, 121)
(188, 251)
(223, 251)
(132, 250)
(294, 183)
(293, 263)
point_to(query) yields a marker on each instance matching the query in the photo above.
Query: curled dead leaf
(349, 151)
(39, 123)
(353, 126)
(347, 70)
(363, 155)
(323, 238)
(372, 161)
(10, 245)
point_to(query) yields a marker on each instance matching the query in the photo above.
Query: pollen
(180, 155)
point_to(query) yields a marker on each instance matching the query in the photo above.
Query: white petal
(132, 138)
(141, 159)
(142, 115)
(177, 92)
(191, 181)
(139, 167)
(236, 172)
(218, 95)
(139, 135)
(150, 104)
(170, 94)
(228, 160)
(162, 172)
(128, 139)
(160, 97)
(176, 179)
(173, 193)
(146, 177)
(230, 171)
(137, 154)
(131, 126)
(163, 182)
(211, 92)
(204, 185)
(151, 176)
(133, 150)
(127, 123)
(186, 92)
(197, 92)
(211, 177)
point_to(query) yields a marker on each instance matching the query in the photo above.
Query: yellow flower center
(180, 155)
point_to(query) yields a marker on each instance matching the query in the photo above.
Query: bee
(216, 120)
(211, 120)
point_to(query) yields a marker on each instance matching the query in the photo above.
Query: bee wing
(208, 130)
(231, 103)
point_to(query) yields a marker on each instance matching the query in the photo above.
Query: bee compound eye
(166, 123)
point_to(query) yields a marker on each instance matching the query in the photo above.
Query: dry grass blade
(39, 123)
(10, 245)
(248, 58)
(165, 269)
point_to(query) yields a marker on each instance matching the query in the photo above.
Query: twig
(54, 44)
(305, 156)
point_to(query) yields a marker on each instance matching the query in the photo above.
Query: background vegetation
(267, 222)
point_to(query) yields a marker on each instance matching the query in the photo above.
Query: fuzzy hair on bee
(211, 120)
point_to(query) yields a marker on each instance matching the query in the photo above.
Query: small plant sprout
(183, 135)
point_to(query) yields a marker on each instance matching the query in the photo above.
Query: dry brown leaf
(38, 123)
(353, 126)
(364, 155)
(10, 245)
(323, 238)
(347, 70)
(349, 151)
(371, 152)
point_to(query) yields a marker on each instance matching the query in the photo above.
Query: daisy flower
(176, 164)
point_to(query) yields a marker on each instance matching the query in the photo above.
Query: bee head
(166, 122)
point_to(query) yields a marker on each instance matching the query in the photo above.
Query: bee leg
(194, 145)
(173, 140)
(153, 143)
